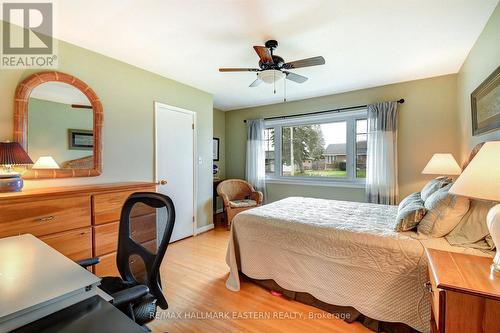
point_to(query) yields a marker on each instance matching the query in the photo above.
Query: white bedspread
(342, 253)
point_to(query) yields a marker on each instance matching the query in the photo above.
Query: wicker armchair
(238, 195)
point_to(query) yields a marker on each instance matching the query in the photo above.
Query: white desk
(36, 280)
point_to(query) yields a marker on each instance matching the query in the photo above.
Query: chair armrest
(257, 196)
(89, 262)
(225, 199)
(129, 295)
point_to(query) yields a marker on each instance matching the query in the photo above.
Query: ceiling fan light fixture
(271, 75)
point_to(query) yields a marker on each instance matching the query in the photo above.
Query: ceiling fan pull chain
(284, 83)
(274, 82)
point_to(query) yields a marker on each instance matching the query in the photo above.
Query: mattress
(343, 253)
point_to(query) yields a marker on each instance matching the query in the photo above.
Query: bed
(342, 253)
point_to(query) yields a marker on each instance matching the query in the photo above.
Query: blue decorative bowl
(11, 183)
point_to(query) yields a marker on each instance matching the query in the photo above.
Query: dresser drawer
(74, 244)
(107, 266)
(44, 217)
(106, 238)
(108, 206)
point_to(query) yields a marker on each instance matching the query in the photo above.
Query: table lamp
(481, 180)
(45, 162)
(12, 154)
(442, 164)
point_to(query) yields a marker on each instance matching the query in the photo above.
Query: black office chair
(138, 291)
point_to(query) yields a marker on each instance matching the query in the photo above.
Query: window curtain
(256, 156)
(382, 155)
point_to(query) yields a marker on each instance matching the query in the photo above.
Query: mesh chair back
(146, 224)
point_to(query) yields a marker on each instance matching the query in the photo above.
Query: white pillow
(472, 230)
(444, 212)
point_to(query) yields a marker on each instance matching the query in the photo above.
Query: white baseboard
(205, 228)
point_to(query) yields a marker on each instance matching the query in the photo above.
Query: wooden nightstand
(465, 294)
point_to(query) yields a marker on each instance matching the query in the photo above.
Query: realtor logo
(27, 40)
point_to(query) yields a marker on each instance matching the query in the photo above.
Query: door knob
(162, 182)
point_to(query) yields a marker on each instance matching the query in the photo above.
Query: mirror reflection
(60, 127)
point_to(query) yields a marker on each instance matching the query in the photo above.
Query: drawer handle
(428, 286)
(46, 219)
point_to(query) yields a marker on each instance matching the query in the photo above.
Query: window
(269, 139)
(317, 150)
(327, 148)
(361, 147)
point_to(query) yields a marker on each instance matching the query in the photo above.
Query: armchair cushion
(242, 203)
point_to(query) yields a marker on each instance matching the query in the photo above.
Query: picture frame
(215, 149)
(80, 139)
(485, 105)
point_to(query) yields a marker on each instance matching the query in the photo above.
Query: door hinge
(192, 126)
(193, 219)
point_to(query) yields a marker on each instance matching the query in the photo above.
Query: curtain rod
(349, 108)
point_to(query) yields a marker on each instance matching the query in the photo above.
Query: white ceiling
(365, 43)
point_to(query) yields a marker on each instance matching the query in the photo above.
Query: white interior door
(175, 149)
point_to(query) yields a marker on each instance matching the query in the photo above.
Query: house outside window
(328, 149)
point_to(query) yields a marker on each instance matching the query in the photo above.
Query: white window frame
(350, 118)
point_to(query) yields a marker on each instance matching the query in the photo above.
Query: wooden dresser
(78, 221)
(465, 294)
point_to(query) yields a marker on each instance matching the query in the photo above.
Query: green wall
(127, 94)
(48, 124)
(220, 132)
(428, 123)
(482, 60)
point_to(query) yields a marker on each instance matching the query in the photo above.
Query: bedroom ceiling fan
(273, 68)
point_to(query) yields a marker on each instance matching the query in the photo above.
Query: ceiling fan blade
(295, 77)
(314, 61)
(264, 54)
(256, 83)
(239, 69)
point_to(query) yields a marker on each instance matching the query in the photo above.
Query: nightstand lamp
(12, 154)
(481, 180)
(442, 164)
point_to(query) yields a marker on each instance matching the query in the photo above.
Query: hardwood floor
(194, 273)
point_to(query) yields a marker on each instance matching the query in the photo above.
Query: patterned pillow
(411, 210)
(445, 211)
(433, 186)
(409, 199)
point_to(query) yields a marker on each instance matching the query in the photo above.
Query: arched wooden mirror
(58, 120)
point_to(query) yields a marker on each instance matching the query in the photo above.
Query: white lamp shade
(271, 75)
(45, 162)
(481, 178)
(442, 164)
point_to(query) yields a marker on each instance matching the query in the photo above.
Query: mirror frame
(21, 100)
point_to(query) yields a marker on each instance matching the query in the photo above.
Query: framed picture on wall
(80, 139)
(216, 149)
(485, 106)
